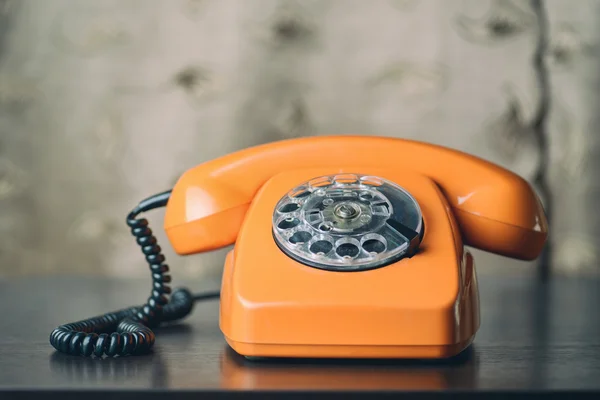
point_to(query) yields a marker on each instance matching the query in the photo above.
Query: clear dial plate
(347, 222)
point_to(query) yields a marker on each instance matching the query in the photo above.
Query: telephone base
(424, 307)
(258, 351)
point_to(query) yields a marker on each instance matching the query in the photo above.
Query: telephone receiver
(496, 210)
(345, 246)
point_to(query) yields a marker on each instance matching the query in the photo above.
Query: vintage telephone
(345, 246)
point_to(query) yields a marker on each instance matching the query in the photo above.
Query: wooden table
(535, 339)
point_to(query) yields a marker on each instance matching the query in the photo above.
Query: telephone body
(352, 246)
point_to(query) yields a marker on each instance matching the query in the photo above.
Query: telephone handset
(345, 246)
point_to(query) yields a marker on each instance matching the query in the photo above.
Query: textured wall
(105, 102)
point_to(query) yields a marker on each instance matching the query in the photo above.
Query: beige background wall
(105, 102)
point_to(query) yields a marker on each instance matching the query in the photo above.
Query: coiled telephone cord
(128, 331)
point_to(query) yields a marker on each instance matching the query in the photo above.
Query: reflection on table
(238, 373)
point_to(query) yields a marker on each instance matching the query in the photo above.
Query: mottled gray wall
(105, 102)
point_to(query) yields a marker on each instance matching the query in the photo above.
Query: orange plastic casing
(421, 307)
(496, 209)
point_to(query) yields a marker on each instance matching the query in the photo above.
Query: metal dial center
(347, 210)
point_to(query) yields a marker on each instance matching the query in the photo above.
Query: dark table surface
(535, 338)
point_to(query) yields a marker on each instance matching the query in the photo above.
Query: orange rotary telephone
(333, 257)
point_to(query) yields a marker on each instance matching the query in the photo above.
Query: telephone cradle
(344, 247)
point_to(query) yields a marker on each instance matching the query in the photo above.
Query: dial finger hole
(321, 247)
(346, 179)
(373, 246)
(320, 182)
(373, 243)
(300, 237)
(371, 181)
(288, 223)
(300, 192)
(289, 207)
(347, 250)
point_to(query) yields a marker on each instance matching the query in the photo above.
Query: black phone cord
(128, 331)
